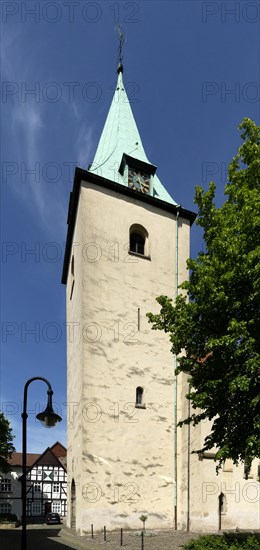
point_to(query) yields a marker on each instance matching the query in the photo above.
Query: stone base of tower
(204, 522)
(112, 507)
(114, 521)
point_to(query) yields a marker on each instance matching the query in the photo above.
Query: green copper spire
(120, 137)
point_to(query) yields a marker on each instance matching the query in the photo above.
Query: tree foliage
(6, 444)
(216, 320)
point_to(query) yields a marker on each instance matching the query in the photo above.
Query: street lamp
(48, 418)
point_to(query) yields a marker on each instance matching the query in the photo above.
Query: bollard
(105, 534)
(142, 540)
(121, 537)
(92, 531)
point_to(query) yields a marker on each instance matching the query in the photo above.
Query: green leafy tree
(215, 319)
(6, 444)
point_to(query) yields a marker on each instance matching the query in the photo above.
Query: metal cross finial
(121, 37)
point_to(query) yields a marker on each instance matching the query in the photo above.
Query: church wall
(127, 452)
(122, 458)
(182, 390)
(241, 497)
(182, 455)
(74, 362)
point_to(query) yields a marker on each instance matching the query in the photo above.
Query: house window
(139, 398)
(56, 507)
(36, 508)
(138, 240)
(5, 508)
(5, 485)
(56, 487)
(37, 488)
(28, 507)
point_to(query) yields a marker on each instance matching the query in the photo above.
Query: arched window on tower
(138, 240)
(137, 243)
(139, 403)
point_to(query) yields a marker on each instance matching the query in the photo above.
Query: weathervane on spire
(121, 37)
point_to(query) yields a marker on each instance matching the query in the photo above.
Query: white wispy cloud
(27, 123)
(84, 146)
(25, 128)
(27, 138)
(30, 126)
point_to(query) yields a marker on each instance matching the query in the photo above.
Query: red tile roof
(58, 450)
(16, 459)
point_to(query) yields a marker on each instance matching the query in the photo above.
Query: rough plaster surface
(122, 457)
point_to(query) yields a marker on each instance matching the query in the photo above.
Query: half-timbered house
(46, 483)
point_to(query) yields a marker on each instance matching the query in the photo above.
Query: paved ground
(43, 537)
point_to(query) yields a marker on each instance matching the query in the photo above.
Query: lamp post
(48, 418)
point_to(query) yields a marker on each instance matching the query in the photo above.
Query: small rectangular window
(139, 398)
(5, 508)
(36, 508)
(5, 486)
(56, 507)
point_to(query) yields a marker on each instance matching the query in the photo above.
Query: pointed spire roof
(120, 136)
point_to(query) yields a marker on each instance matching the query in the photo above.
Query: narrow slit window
(139, 396)
(72, 277)
(72, 288)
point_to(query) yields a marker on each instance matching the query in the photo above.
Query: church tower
(127, 243)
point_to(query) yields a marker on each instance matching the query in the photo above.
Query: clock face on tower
(138, 181)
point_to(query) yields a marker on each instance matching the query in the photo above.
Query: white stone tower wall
(127, 453)
(74, 367)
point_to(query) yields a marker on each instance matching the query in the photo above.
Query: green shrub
(207, 542)
(248, 541)
(7, 517)
(227, 541)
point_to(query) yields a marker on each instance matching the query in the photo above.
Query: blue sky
(191, 70)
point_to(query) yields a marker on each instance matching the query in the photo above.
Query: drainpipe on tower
(188, 470)
(175, 377)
